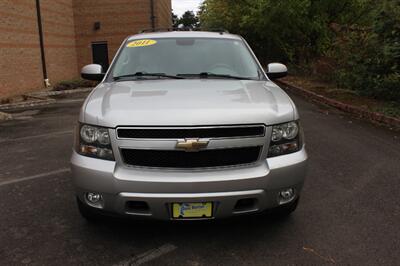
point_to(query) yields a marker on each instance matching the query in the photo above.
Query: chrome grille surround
(169, 144)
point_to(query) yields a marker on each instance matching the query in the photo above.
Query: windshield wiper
(212, 75)
(144, 74)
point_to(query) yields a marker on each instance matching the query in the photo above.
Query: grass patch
(330, 90)
(389, 109)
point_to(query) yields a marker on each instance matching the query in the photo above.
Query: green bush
(293, 31)
(369, 59)
(362, 37)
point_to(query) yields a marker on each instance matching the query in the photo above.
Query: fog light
(286, 195)
(94, 199)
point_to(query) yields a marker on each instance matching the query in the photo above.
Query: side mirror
(276, 71)
(92, 72)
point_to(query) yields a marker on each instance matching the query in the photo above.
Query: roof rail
(220, 30)
(156, 30)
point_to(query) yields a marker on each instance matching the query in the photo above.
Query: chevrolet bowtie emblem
(192, 145)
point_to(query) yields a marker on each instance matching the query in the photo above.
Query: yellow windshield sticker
(141, 43)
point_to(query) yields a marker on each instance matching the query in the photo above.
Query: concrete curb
(44, 101)
(5, 116)
(25, 104)
(55, 93)
(360, 112)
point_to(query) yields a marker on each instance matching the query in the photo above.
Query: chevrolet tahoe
(187, 125)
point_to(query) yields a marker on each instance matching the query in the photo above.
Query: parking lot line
(60, 171)
(38, 136)
(148, 255)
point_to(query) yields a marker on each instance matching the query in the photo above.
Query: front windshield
(186, 57)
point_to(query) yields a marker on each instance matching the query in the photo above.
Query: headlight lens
(88, 134)
(94, 142)
(285, 139)
(103, 137)
(277, 134)
(290, 130)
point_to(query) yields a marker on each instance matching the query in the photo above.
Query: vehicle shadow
(242, 227)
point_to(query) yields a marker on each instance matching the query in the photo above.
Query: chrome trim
(211, 168)
(192, 145)
(139, 214)
(174, 149)
(169, 144)
(190, 195)
(191, 127)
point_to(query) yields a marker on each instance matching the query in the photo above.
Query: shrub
(359, 38)
(369, 59)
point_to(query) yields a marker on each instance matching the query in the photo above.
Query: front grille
(181, 133)
(182, 159)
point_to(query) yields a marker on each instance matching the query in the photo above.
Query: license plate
(192, 210)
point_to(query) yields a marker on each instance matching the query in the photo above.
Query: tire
(87, 212)
(285, 210)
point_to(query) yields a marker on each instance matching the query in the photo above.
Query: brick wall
(20, 63)
(118, 19)
(163, 13)
(59, 39)
(68, 27)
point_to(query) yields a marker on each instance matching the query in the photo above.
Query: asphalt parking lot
(349, 213)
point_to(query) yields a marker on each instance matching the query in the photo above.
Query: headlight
(285, 139)
(88, 134)
(94, 142)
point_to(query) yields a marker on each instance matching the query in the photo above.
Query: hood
(187, 102)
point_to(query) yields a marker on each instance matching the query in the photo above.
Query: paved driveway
(349, 212)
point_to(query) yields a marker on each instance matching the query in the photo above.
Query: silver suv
(187, 125)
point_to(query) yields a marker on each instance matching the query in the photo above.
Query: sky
(180, 6)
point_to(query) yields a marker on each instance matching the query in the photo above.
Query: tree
(188, 20)
(360, 37)
(373, 70)
(175, 20)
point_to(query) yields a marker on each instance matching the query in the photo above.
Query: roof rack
(156, 30)
(220, 30)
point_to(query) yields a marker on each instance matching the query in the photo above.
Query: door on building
(100, 54)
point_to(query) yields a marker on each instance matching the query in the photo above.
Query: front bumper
(159, 188)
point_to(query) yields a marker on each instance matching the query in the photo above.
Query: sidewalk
(40, 98)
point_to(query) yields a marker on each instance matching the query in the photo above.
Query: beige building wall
(68, 33)
(118, 19)
(163, 13)
(20, 63)
(59, 39)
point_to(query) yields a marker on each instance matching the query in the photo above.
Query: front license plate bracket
(192, 210)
